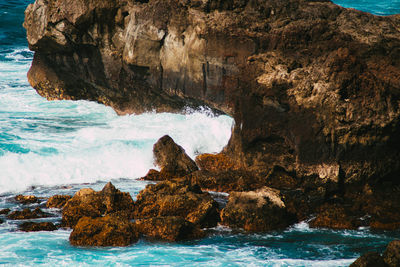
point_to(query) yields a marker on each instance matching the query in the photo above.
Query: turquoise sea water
(59, 147)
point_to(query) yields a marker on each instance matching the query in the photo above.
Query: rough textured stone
(335, 217)
(169, 228)
(257, 211)
(28, 214)
(57, 201)
(391, 255)
(4, 211)
(369, 259)
(26, 199)
(34, 227)
(177, 198)
(103, 231)
(215, 162)
(171, 158)
(87, 202)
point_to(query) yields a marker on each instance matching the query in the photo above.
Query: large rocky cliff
(313, 87)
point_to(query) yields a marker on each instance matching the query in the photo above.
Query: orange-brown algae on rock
(257, 211)
(169, 228)
(216, 162)
(28, 214)
(177, 198)
(391, 256)
(37, 226)
(89, 203)
(26, 199)
(57, 201)
(103, 231)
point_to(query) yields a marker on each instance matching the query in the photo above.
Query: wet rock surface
(257, 211)
(177, 198)
(26, 199)
(37, 226)
(4, 211)
(28, 214)
(169, 228)
(57, 201)
(369, 259)
(390, 257)
(103, 231)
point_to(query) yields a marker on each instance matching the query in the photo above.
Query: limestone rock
(369, 259)
(103, 231)
(177, 198)
(169, 228)
(26, 199)
(87, 202)
(257, 211)
(34, 227)
(57, 201)
(28, 214)
(391, 255)
(171, 158)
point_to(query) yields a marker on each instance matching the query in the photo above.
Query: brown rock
(57, 201)
(391, 255)
(335, 217)
(257, 211)
(216, 162)
(177, 198)
(103, 231)
(153, 175)
(28, 214)
(171, 158)
(89, 203)
(4, 211)
(169, 228)
(26, 199)
(369, 259)
(34, 227)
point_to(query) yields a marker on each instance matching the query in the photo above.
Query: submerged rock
(177, 198)
(257, 211)
(34, 227)
(103, 231)
(26, 199)
(57, 201)
(169, 228)
(172, 159)
(89, 203)
(28, 214)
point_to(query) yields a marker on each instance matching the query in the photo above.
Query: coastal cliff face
(313, 88)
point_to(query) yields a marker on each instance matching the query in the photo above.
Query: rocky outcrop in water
(390, 257)
(37, 226)
(28, 214)
(26, 199)
(57, 201)
(312, 87)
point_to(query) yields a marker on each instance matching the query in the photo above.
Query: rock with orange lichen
(169, 228)
(257, 211)
(177, 198)
(103, 231)
(26, 199)
(215, 162)
(57, 201)
(89, 203)
(28, 214)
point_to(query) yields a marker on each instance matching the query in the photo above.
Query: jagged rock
(257, 211)
(227, 181)
(87, 202)
(57, 201)
(34, 227)
(103, 231)
(391, 255)
(369, 259)
(335, 217)
(4, 211)
(177, 198)
(28, 214)
(171, 158)
(169, 228)
(26, 199)
(154, 175)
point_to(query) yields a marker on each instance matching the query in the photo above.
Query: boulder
(257, 211)
(28, 214)
(4, 211)
(177, 198)
(369, 259)
(391, 256)
(171, 158)
(89, 203)
(216, 162)
(335, 217)
(26, 199)
(169, 228)
(103, 231)
(57, 201)
(34, 227)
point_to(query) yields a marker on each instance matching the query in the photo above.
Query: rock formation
(390, 257)
(57, 201)
(26, 199)
(312, 87)
(28, 214)
(34, 226)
